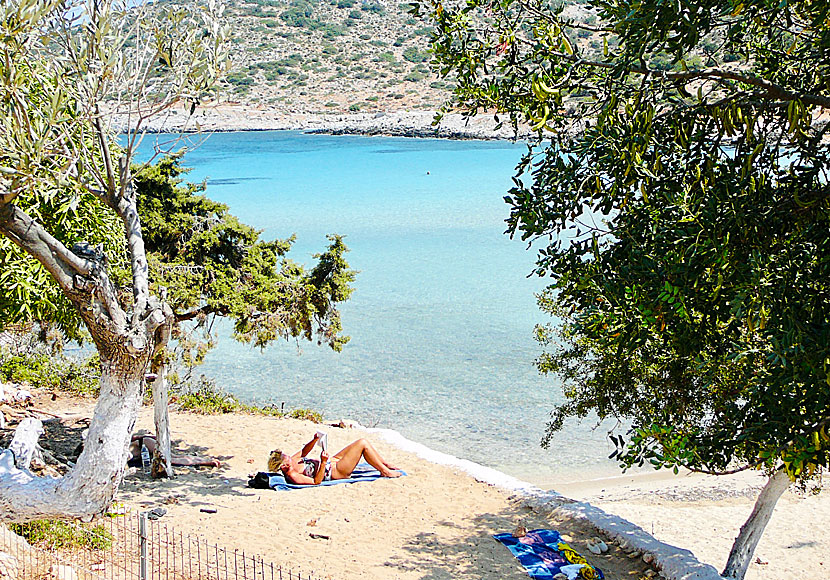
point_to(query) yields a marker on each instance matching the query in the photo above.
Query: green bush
(58, 372)
(54, 534)
(373, 7)
(306, 415)
(208, 399)
(413, 54)
(414, 76)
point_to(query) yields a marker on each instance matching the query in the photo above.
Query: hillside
(331, 55)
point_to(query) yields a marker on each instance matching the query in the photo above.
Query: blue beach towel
(544, 555)
(264, 480)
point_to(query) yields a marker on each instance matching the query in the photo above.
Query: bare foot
(390, 473)
(390, 466)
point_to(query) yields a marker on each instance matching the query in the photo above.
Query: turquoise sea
(442, 318)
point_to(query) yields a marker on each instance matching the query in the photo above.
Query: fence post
(142, 542)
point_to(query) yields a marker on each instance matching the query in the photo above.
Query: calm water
(442, 317)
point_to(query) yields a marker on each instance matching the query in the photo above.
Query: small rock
(62, 572)
(648, 558)
(635, 554)
(650, 573)
(520, 532)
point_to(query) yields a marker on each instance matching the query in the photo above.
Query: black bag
(261, 480)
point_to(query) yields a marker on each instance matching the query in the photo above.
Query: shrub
(414, 76)
(306, 415)
(58, 372)
(53, 534)
(413, 54)
(373, 7)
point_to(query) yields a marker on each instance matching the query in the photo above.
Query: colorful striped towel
(544, 555)
(265, 480)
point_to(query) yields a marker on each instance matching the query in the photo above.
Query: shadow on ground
(442, 554)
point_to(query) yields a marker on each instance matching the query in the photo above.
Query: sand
(437, 522)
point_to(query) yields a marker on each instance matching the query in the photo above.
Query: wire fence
(129, 546)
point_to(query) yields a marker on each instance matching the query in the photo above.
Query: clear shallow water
(443, 313)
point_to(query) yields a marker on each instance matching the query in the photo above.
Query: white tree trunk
(87, 490)
(751, 532)
(24, 444)
(162, 458)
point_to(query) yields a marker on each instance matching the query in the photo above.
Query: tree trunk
(88, 489)
(162, 458)
(753, 529)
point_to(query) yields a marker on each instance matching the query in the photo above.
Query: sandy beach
(437, 522)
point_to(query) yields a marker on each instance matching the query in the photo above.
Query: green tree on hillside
(682, 207)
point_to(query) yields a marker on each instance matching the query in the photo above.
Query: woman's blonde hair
(275, 460)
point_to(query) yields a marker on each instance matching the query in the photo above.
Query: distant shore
(238, 117)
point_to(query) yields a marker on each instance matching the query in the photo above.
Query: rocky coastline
(227, 117)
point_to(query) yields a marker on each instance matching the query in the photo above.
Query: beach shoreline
(442, 515)
(232, 117)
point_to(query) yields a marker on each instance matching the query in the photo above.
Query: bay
(442, 318)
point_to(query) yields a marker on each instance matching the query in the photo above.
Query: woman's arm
(307, 448)
(321, 469)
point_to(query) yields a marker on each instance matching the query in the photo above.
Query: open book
(323, 441)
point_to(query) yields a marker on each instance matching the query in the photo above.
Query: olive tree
(64, 66)
(677, 190)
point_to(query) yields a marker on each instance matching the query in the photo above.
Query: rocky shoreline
(225, 118)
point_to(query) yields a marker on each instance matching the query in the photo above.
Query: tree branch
(771, 90)
(190, 315)
(29, 235)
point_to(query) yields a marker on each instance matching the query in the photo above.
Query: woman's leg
(344, 462)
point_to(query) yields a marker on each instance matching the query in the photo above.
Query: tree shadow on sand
(467, 549)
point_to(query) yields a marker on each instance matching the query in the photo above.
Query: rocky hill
(330, 56)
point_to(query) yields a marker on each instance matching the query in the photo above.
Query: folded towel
(265, 480)
(544, 555)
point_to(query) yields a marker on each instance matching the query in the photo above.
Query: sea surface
(442, 318)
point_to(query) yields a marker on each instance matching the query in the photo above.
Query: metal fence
(129, 546)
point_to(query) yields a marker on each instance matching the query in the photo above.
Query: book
(323, 441)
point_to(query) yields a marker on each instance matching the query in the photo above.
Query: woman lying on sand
(301, 470)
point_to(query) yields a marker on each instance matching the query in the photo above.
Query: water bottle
(145, 458)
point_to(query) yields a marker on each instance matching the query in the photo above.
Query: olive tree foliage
(65, 186)
(677, 189)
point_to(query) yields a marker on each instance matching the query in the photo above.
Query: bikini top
(309, 466)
